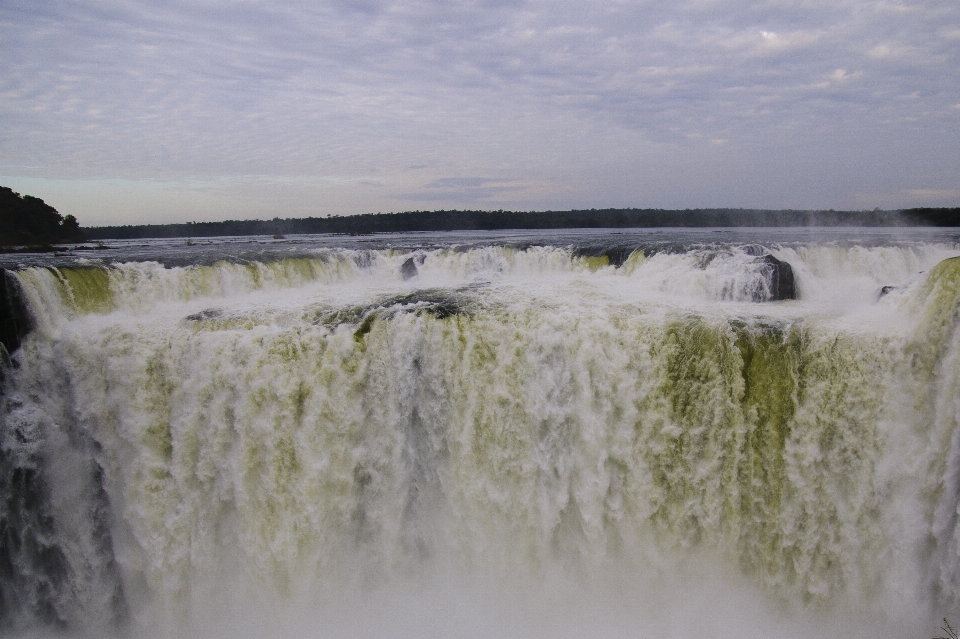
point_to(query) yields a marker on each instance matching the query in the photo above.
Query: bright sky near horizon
(127, 111)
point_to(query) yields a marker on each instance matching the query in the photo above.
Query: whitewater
(505, 434)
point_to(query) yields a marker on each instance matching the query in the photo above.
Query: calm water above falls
(515, 434)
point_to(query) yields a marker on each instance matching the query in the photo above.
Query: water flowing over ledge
(327, 443)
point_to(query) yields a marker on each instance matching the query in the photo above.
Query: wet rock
(616, 255)
(409, 269)
(15, 320)
(779, 276)
(208, 314)
(441, 303)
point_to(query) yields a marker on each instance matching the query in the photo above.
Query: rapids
(583, 433)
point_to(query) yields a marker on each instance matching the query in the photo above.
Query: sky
(129, 112)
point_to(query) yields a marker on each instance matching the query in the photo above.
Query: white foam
(591, 432)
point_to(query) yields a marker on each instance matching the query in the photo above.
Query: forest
(28, 220)
(500, 220)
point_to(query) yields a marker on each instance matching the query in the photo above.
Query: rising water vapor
(513, 441)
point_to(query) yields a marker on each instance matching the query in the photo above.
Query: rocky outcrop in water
(616, 256)
(409, 269)
(779, 277)
(777, 274)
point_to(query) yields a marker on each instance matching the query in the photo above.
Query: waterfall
(520, 432)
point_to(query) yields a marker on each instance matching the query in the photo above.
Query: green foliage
(951, 633)
(25, 219)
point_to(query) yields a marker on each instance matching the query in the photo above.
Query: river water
(505, 434)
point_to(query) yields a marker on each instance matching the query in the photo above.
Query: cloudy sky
(122, 111)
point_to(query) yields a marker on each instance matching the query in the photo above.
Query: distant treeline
(500, 220)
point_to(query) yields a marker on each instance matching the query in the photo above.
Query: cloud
(460, 183)
(461, 190)
(583, 103)
(935, 194)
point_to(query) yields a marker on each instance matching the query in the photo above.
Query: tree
(25, 219)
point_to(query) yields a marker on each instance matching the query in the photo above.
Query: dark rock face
(884, 290)
(15, 320)
(210, 313)
(616, 255)
(779, 275)
(43, 577)
(409, 269)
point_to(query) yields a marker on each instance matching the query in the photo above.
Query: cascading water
(509, 439)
